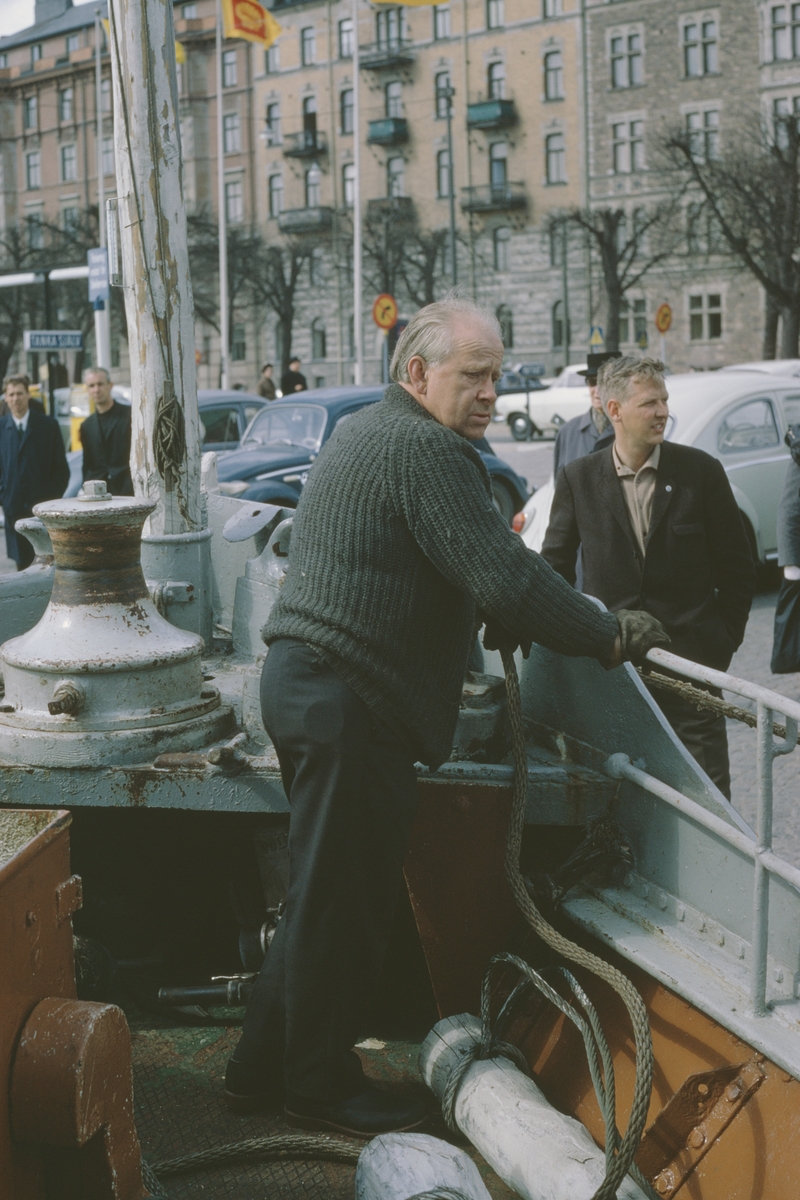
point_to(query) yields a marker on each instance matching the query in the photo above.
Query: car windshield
(299, 425)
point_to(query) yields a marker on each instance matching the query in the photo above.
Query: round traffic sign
(663, 318)
(384, 311)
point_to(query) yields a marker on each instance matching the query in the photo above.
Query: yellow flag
(180, 52)
(249, 20)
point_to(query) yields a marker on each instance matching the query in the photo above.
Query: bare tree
(752, 192)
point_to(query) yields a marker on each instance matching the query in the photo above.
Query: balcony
(396, 208)
(389, 52)
(305, 220)
(491, 114)
(308, 143)
(493, 197)
(389, 131)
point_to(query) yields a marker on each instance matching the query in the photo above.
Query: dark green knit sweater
(395, 542)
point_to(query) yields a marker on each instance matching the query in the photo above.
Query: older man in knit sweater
(396, 545)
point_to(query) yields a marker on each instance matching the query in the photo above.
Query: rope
(707, 702)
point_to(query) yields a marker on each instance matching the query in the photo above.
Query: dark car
(280, 446)
(224, 416)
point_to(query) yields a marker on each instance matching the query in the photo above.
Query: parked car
(740, 417)
(280, 446)
(224, 416)
(538, 410)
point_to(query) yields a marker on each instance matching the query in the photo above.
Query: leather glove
(638, 633)
(497, 637)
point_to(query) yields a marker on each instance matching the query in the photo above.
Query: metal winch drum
(103, 678)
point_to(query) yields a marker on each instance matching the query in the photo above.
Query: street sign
(596, 337)
(98, 274)
(663, 318)
(384, 311)
(53, 339)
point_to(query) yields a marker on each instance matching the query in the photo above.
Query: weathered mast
(165, 457)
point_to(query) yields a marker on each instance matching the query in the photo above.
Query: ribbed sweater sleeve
(452, 518)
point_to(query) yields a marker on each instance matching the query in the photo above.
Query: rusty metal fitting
(68, 698)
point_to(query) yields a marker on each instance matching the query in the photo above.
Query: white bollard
(398, 1166)
(539, 1152)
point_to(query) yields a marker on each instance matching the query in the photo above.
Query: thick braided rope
(573, 953)
(305, 1146)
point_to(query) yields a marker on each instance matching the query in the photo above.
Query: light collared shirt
(638, 488)
(22, 422)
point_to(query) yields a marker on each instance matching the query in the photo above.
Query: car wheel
(503, 501)
(520, 427)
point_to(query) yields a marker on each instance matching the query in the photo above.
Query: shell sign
(249, 20)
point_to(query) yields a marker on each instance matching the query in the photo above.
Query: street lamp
(446, 94)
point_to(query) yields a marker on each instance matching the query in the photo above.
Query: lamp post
(447, 93)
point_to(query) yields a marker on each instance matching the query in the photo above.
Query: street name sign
(53, 339)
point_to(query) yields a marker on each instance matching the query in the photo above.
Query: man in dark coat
(659, 530)
(590, 432)
(293, 380)
(106, 436)
(33, 464)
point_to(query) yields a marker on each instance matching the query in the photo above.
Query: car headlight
(234, 487)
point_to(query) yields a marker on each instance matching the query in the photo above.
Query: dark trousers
(352, 790)
(703, 734)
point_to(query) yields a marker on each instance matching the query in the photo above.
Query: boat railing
(758, 848)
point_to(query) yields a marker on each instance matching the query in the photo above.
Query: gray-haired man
(396, 543)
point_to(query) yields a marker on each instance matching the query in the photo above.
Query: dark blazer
(31, 470)
(697, 575)
(576, 438)
(106, 445)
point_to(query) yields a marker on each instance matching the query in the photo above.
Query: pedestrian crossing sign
(596, 337)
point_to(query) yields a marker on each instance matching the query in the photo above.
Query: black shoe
(247, 1090)
(365, 1115)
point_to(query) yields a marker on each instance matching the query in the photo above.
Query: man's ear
(418, 373)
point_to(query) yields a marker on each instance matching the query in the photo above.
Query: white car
(739, 417)
(544, 411)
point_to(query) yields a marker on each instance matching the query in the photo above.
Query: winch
(103, 678)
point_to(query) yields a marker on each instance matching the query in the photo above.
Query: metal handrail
(759, 849)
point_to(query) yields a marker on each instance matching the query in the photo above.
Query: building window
(441, 21)
(554, 75)
(272, 59)
(395, 177)
(346, 111)
(627, 146)
(495, 14)
(555, 158)
(506, 321)
(239, 344)
(498, 167)
(272, 120)
(34, 228)
(319, 348)
(393, 98)
(275, 188)
(69, 164)
(313, 179)
(442, 99)
(705, 317)
(108, 165)
(234, 202)
(73, 43)
(626, 61)
(33, 170)
(502, 249)
(105, 95)
(36, 52)
(703, 131)
(189, 12)
(65, 104)
(231, 142)
(785, 30)
(443, 174)
(496, 81)
(633, 321)
(349, 184)
(30, 112)
(551, 8)
(308, 46)
(700, 48)
(70, 219)
(230, 73)
(346, 38)
(389, 28)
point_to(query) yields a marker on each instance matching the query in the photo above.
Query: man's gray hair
(616, 378)
(429, 333)
(96, 371)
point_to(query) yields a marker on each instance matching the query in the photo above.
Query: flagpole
(223, 232)
(102, 334)
(357, 245)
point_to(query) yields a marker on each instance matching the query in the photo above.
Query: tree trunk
(771, 315)
(790, 331)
